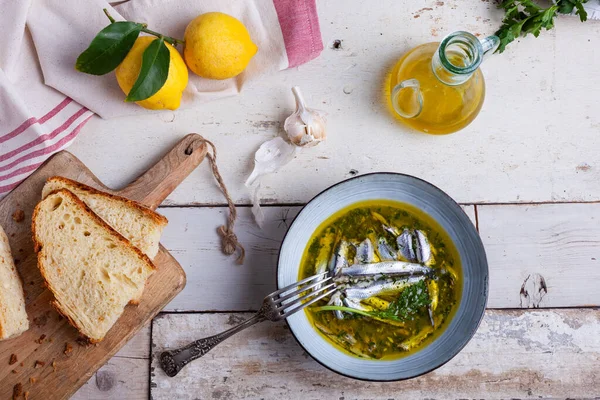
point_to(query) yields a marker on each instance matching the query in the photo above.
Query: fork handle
(172, 361)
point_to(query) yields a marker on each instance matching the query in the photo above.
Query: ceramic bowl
(449, 215)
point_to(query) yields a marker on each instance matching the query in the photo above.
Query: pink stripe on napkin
(55, 110)
(300, 27)
(48, 150)
(45, 137)
(21, 128)
(33, 141)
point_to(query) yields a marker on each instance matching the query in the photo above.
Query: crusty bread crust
(38, 247)
(64, 314)
(159, 219)
(2, 330)
(10, 263)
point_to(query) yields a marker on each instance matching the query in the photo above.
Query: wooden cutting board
(49, 334)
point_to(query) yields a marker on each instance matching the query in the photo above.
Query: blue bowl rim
(486, 279)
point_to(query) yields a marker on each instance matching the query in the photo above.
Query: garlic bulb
(306, 126)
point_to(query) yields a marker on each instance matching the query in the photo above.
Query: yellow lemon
(168, 96)
(217, 46)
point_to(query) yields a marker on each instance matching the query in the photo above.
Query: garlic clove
(306, 127)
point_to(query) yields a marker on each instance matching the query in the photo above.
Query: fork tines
(302, 294)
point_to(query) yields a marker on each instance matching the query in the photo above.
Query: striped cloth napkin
(44, 102)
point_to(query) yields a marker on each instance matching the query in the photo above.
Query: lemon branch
(145, 29)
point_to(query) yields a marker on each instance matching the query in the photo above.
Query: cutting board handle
(154, 185)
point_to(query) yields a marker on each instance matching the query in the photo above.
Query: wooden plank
(471, 212)
(125, 376)
(499, 158)
(191, 237)
(542, 255)
(120, 378)
(138, 346)
(49, 333)
(514, 354)
(214, 280)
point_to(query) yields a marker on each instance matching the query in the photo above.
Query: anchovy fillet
(386, 252)
(321, 267)
(380, 287)
(365, 253)
(423, 248)
(414, 246)
(389, 268)
(393, 230)
(336, 300)
(356, 304)
(405, 246)
(339, 259)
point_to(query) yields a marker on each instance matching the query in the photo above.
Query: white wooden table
(527, 171)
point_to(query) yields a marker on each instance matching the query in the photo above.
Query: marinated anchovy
(386, 252)
(414, 246)
(391, 229)
(386, 268)
(345, 341)
(422, 248)
(415, 340)
(346, 281)
(406, 246)
(320, 268)
(336, 300)
(339, 259)
(434, 293)
(381, 287)
(356, 304)
(365, 253)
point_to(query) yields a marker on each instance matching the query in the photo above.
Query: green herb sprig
(411, 302)
(112, 44)
(523, 17)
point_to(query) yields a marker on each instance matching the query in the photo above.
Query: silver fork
(274, 308)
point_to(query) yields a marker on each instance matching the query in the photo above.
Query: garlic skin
(306, 127)
(270, 157)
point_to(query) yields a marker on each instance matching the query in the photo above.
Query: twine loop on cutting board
(229, 240)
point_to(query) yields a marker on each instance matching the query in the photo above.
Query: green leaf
(410, 302)
(581, 11)
(565, 6)
(154, 71)
(109, 48)
(523, 17)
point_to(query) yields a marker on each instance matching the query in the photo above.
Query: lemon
(169, 95)
(217, 46)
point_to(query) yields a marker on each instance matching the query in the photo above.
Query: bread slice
(13, 318)
(91, 269)
(140, 225)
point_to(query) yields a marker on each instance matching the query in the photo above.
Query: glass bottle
(438, 88)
